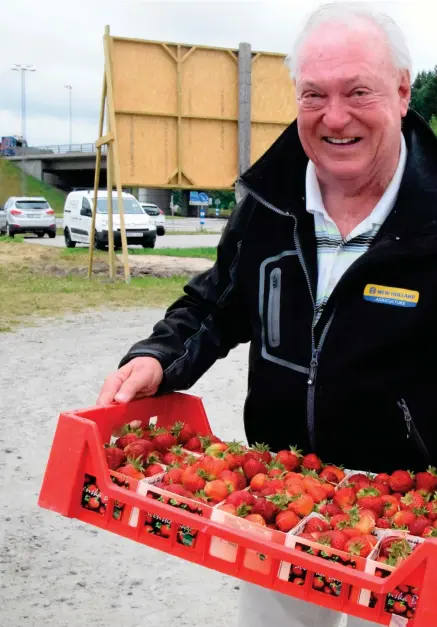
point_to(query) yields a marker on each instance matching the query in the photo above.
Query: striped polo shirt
(335, 254)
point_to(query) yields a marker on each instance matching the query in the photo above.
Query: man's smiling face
(351, 100)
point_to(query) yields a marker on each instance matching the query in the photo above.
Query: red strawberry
(174, 455)
(228, 508)
(432, 509)
(133, 469)
(418, 526)
(399, 607)
(390, 505)
(316, 524)
(193, 479)
(429, 532)
(266, 509)
(138, 448)
(152, 470)
(263, 452)
(254, 467)
(312, 462)
(182, 432)
(333, 474)
(412, 500)
(345, 496)
(359, 481)
(127, 439)
(401, 481)
(213, 466)
(289, 459)
(383, 488)
(302, 505)
(163, 440)
(115, 457)
(403, 519)
(231, 480)
(340, 521)
(335, 539)
(286, 520)
(359, 546)
(177, 488)
(257, 519)
(217, 449)
(383, 477)
(259, 482)
(383, 523)
(239, 497)
(93, 503)
(216, 490)
(329, 510)
(370, 498)
(194, 445)
(174, 475)
(234, 456)
(426, 482)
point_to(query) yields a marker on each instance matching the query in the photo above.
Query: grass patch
(203, 253)
(11, 184)
(34, 282)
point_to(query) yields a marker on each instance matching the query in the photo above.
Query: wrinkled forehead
(343, 51)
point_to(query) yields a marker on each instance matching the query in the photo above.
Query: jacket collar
(278, 177)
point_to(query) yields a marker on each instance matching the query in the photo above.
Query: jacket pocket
(413, 433)
(274, 309)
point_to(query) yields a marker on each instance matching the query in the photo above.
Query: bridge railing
(56, 149)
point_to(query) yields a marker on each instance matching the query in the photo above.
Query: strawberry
(359, 546)
(136, 425)
(257, 519)
(329, 509)
(193, 479)
(254, 467)
(426, 482)
(263, 452)
(152, 470)
(182, 432)
(403, 519)
(93, 503)
(289, 459)
(418, 526)
(230, 479)
(429, 532)
(333, 474)
(133, 469)
(228, 508)
(383, 477)
(234, 455)
(241, 479)
(276, 470)
(383, 523)
(335, 539)
(340, 521)
(328, 489)
(401, 481)
(345, 496)
(390, 505)
(266, 509)
(216, 490)
(115, 457)
(194, 444)
(138, 448)
(216, 449)
(213, 466)
(302, 505)
(316, 524)
(432, 509)
(127, 439)
(239, 497)
(412, 500)
(163, 440)
(312, 462)
(173, 456)
(258, 482)
(177, 488)
(394, 550)
(359, 481)
(174, 475)
(286, 520)
(366, 522)
(370, 498)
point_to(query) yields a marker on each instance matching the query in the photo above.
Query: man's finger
(132, 387)
(111, 386)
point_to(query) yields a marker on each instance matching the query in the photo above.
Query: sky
(63, 41)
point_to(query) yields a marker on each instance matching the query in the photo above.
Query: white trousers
(259, 607)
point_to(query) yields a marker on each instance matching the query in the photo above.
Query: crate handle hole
(152, 421)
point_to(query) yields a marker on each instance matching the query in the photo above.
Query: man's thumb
(130, 388)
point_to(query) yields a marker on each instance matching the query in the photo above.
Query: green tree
(424, 94)
(433, 123)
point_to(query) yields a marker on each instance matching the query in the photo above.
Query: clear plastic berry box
(77, 472)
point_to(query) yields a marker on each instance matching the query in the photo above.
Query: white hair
(345, 13)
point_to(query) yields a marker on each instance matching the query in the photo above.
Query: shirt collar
(314, 200)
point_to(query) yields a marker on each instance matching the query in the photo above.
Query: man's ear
(404, 92)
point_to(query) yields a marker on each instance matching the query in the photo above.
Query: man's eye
(359, 92)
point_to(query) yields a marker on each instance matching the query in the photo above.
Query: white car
(30, 215)
(157, 214)
(3, 221)
(140, 228)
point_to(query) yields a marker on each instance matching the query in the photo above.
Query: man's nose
(337, 115)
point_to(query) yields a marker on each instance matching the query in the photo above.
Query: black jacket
(360, 388)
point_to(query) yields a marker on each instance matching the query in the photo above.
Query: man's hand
(138, 378)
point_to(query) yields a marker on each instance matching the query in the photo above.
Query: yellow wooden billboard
(172, 114)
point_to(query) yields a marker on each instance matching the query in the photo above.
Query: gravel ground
(57, 572)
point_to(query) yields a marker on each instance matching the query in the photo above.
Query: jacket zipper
(413, 431)
(315, 350)
(273, 309)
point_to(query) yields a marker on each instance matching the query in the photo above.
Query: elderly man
(328, 268)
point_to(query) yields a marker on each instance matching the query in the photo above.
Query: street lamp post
(23, 69)
(70, 89)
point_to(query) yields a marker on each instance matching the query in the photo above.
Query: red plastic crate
(77, 461)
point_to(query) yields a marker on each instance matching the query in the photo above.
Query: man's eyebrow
(358, 78)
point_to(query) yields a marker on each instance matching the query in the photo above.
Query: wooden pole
(110, 156)
(113, 149)
(97, 178)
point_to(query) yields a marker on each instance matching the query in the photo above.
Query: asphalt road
(162, 241)
(183, 224)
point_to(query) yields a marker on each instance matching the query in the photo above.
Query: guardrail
(57, 149)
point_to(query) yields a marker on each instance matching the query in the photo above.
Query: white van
(140, 228)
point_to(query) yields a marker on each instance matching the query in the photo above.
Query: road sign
(199, 198)
(217, 201)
